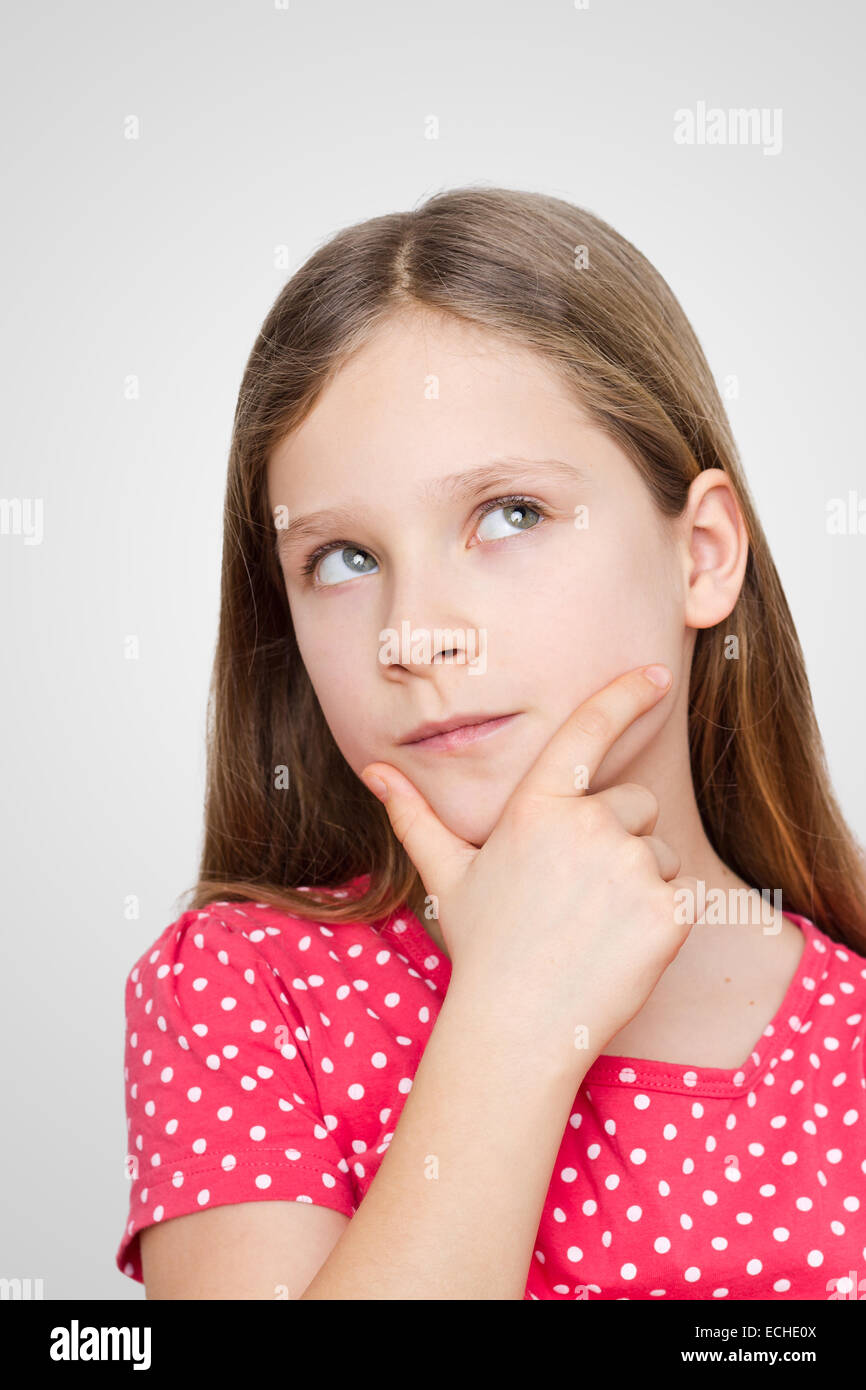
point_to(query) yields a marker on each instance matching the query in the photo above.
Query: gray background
(263, 128)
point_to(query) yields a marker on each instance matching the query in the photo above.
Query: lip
(451, 734)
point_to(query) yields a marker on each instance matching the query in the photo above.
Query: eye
(337, 565)
(518, 512)
(335, 562)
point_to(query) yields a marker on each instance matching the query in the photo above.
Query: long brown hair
(551, 277)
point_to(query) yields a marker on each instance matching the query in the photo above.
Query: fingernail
(376, 785)
(659, 675)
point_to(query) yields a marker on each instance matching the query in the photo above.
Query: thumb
(440, 856)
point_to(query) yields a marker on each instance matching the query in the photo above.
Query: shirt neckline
(407, 930)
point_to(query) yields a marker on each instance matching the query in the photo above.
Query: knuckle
(527, 810)
(592, 721)
(649, 798)
(675, 861)
(637, 853)
(402, 821)
(596, 816)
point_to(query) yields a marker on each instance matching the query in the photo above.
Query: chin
(474, 827)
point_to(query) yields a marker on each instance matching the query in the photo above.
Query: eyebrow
(453, 487)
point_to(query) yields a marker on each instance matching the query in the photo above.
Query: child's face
(544, 611)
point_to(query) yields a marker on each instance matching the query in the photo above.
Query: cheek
(334, 661)
(617, 609)
(603, 609)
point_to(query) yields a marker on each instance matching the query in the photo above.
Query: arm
(245, 1250)
(486, 1112)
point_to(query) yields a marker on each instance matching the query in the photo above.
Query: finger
(569, 761)
(685, 901)
(634, 805)
(440, 856)
(667, 858)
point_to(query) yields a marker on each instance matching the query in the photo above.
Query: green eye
(355, 560)
(517, 513)
(347, 559)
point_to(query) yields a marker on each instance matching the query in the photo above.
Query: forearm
(454, 1210)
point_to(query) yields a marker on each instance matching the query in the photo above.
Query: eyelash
(492, 505)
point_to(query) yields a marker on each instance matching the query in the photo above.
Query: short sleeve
(221, 1107)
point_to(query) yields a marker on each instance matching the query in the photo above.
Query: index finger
(581, 742)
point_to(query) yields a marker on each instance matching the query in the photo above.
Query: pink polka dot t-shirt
(268, 1058)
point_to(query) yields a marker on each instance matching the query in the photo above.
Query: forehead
(426, 395)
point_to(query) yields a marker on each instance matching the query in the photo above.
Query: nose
(427, 621)
(415, 646)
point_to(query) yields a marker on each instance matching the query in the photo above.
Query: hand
(566, 916)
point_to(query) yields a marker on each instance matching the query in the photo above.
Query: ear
(714, 548)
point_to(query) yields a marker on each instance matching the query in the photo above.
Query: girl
(531, 1026)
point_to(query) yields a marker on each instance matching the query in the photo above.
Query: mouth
(461, 735)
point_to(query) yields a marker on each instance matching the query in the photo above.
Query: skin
(564, 610)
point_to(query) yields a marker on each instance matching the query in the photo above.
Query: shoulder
(833, 979)
(232, 932)
(230, 953)
(826, 959)
(221, 1081)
